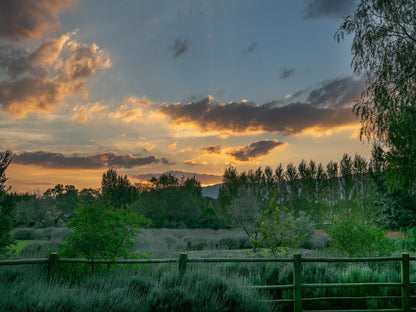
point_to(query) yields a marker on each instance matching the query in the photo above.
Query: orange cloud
(40, 80)
(88, 112)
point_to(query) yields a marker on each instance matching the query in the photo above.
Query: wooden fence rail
(405, 285)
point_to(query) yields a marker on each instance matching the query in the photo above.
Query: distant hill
(211, 191)
(201, 177)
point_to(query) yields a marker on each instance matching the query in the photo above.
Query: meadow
(204, 287)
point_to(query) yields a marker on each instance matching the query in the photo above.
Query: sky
(190, 86)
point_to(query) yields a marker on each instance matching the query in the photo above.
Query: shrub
(318, 240)
(102, 232)
(357, 239)
(279, 228)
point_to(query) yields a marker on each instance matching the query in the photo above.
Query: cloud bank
(98, 161)
(326, 107)
(254, 150)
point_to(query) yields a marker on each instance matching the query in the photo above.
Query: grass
(142, 288)
(20, 244)
(205, 287)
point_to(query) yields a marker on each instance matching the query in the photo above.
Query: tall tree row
(325, 192)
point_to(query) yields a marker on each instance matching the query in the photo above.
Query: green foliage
(279, 228)
(208, 219)
(6, 208)
(173, 206)
(383, 49)
(117, 189)
(409, 242)
(6, 227)
(102, 232)
(354, 239)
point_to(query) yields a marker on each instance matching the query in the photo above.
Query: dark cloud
(24, 19)
(98, 161)
(254, 150)
(251, 48)
(337, 92)
(203, 178)
(287, 72)
(328, 8)
(327, 107)
(39, 80)
(180, 46)
(212, 149)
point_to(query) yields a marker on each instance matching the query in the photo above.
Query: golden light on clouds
(88, 112)
(40, 80)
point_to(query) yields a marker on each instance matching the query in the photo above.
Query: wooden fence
(405, 285)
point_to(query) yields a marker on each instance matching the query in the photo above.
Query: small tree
(245, 212)
(278, 228)
(102, 232)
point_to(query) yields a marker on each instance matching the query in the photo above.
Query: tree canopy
(384, 51)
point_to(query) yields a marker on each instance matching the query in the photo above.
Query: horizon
(191, 86)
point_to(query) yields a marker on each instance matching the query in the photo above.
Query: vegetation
(102, 232)
(272, 210)
(354, 239)
(6, 225)
(383, 50)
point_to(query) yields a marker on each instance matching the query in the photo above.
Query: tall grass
(143, 288)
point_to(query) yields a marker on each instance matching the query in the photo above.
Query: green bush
(102, 232)
(355, 239)
(279, 228)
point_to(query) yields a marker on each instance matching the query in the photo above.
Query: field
(158, 287)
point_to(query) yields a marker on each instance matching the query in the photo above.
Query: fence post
(405, 279)
(53, 265)
(297, 281)
(183, 259)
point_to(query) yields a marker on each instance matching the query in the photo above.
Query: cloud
(337, 92)
(212, 149)
(98, 161)
(191, 162)
(254, 150)
(180, 46)
(38, 81)
(25, 19)
(252, 47)
(286, 73)
(172, 146)
(88, 112)
(328, 106)
(203, 178)
(328, 8)
(131, 109)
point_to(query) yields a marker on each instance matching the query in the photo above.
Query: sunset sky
(149, 86)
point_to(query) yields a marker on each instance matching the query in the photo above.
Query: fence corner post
(405, 279)
(297, 282)
(53, 265)
(183, 259)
